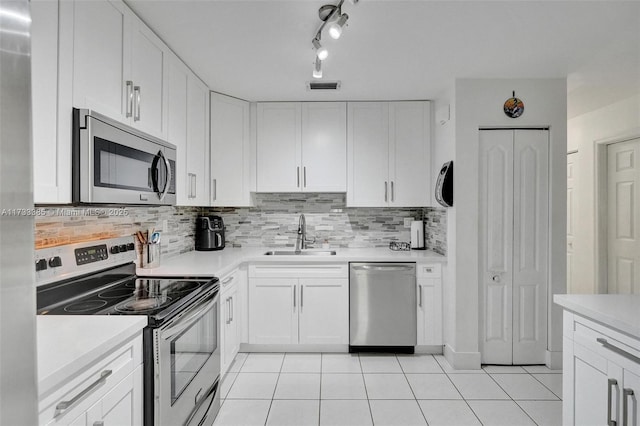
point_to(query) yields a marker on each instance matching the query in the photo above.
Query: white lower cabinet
(109, 392)
(230, 317)
(601, 383)
(429, 292)
(298, 304)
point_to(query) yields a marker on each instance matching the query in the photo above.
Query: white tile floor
(406, 390)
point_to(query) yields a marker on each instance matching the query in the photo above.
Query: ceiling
(391, 49)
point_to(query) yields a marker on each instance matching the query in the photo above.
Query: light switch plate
(407, 222)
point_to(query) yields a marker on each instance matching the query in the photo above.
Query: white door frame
(600, 204)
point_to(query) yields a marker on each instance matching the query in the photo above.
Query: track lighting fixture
(317, 71)
(335, 28)
(332, 16)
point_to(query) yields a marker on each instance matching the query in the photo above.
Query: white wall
(616, 121)
(478, 103)
(443, 150)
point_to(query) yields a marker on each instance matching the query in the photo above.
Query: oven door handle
(210, 393)
(191, 317)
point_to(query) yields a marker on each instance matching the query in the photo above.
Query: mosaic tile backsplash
(64, 225)
(272, 222)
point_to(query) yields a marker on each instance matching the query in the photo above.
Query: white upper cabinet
(230, 151)
(188, 130)
(301, 147)
(278, 147)
(149, 65)
(119, 65)
(101, 40)
(51, 172)
(324, 147)
(178, 77)
(368, 154)
(388, 151)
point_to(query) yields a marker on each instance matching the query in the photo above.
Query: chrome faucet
(302, 233)
(301, 241)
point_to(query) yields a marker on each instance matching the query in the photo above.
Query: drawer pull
(618, 350)
(610, 384)
(65, 405)
(428, 270)
(626, 393)
(228, 280)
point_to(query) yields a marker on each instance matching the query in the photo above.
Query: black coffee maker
(209, 233)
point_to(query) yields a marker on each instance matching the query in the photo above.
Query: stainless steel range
(181, 342)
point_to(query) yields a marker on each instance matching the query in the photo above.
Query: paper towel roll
(417, 234)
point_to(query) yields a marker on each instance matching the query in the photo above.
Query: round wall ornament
(513, 107)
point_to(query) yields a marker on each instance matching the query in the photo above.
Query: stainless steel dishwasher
(382, 307)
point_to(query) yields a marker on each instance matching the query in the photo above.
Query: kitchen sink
(301, 253)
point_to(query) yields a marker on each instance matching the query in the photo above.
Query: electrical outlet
(407, 222)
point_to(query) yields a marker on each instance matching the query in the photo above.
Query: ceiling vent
(323, 85)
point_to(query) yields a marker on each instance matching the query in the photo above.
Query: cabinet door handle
(393, 198)
(231, 304)
(195, 185)
(98, 423)
(65, 405)
(618, 350)
(626, 393)
(214, 188)
(294, 298)
(385, 192)
(420, 295)
(610, 384)
(304, 176)
(301, 297)
(129, 98)
(298, 176)
(136, 115)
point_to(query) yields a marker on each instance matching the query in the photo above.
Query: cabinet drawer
(113, 368)
(228, 282)
(316, 270)
(619, 348)
(430, 271)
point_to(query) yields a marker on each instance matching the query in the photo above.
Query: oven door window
(191, 349)
(123, 167)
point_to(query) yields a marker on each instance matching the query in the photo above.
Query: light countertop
(218, 263)
(618, 311)
(69, 343)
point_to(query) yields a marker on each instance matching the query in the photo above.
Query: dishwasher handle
(383, 267)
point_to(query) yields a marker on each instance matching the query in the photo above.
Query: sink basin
(301, 253)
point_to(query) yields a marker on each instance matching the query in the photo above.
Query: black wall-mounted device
(444, 185)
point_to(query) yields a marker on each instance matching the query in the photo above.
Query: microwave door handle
(167, 166)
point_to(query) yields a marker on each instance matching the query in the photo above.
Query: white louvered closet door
(513, 236)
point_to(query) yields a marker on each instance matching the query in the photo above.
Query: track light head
(317, 71)
(335, 28)
(321, 52)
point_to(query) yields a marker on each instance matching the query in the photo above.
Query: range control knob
(114, 249)
(131, 246)
(54, 262)
(123, 248)
(41, 265)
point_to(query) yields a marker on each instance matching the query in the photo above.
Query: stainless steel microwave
(116, 164)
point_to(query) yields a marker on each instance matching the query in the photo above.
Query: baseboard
(248, 347)
(429, 349)
(462, 360)
(554, 360)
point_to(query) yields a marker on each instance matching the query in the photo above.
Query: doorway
(623, 217)
(514, 245)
